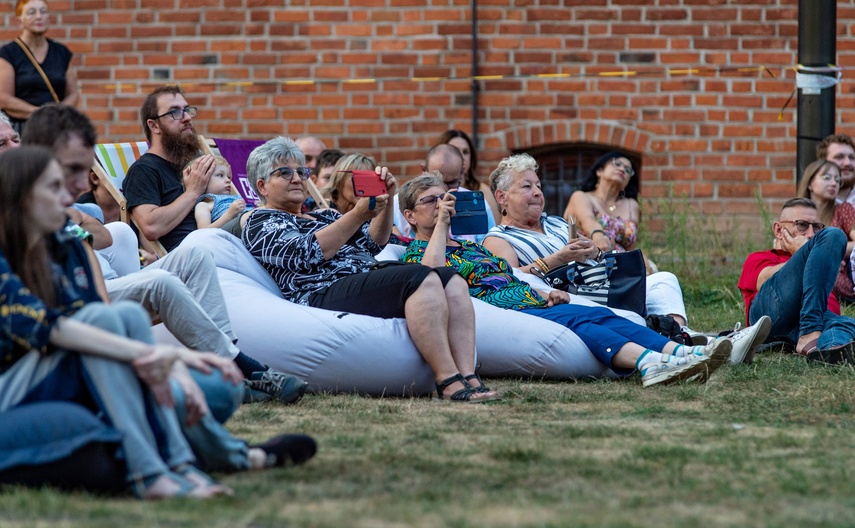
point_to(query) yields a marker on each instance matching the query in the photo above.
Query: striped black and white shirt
(531, 245)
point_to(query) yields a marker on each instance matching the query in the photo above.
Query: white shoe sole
(761, 331)
(720, 355)
(698, 371)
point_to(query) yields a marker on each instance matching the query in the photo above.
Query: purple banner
(236, 152)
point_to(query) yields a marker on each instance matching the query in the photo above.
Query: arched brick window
(563, 168)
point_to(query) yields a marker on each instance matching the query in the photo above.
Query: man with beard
(157, 199)
(839, 149)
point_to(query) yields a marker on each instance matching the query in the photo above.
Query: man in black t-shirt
(157, 198)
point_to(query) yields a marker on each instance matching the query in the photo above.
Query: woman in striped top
(530, 238)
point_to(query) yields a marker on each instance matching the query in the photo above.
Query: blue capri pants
(603, 332)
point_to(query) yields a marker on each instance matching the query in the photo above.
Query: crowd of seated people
(325, 258)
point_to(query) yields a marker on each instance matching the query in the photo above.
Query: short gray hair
(502, 176)
(409, 192)
(278, 151)
(5, 119)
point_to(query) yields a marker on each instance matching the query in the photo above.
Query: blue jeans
(215, 448)
(796, 297)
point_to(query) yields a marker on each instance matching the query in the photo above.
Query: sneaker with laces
(747, 340)
(273, 385)
(671, 370)
(695, 338)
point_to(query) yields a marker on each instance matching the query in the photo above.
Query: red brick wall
(716, 137)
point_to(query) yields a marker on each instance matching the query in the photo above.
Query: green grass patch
(767, 444)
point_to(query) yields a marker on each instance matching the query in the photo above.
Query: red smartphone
(367, 183)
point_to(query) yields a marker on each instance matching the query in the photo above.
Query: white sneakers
(691, 367)
(739, 346)
(748, 340)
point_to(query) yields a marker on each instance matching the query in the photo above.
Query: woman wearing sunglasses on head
(821, 183)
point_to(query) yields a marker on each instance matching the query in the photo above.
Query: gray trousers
(184, 290)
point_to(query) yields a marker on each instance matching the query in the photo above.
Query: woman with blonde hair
(821, 183)
(339, 191)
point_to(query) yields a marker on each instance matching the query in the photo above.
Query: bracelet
(595, 231)
(542, 265)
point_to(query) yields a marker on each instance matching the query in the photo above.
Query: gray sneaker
(665, 372)
(718, 350)
(273, 385)
(748, 340)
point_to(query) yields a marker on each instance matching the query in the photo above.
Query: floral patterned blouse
(844, 218)
(490, 278)
(622, 232)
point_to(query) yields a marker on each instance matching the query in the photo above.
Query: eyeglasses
(803, 226)
(829, 177)
(626, 168)
(178, 113)
(452, 184)
(34, 12)
(288, 173)
(430, 200)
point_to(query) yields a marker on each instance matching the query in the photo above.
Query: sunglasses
(288, 173)
(803, 226)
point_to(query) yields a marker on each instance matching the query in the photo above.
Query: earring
(504, 212)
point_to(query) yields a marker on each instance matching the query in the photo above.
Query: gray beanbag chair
(344, 352)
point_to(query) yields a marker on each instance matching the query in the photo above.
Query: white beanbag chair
(345, 352)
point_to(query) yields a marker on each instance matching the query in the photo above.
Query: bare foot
(804, 340)
(172, 485)
(201, 481)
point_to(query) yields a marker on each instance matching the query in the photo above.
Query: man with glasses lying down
(792, 284)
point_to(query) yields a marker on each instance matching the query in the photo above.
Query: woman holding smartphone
(325, 259)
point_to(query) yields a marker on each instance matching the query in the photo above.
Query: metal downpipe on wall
(817, 49)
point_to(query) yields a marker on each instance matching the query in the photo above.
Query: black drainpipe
(475, 86)
(817, 48)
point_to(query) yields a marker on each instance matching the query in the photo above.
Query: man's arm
(767, 274)
(155, 220)
(101, 237)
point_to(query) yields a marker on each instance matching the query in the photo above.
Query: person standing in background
(34, 69)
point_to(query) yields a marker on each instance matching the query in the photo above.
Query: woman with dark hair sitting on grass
(59, 343)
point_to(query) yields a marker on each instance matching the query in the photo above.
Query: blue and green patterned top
(490, 278)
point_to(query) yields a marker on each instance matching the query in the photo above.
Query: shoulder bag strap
(38, 68)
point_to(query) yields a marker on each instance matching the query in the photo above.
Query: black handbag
(618, 280)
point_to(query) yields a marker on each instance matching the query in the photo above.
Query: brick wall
(715, 137)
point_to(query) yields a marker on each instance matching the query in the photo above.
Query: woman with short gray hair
(325, 259)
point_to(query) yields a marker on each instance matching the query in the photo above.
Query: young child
(217, 206)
